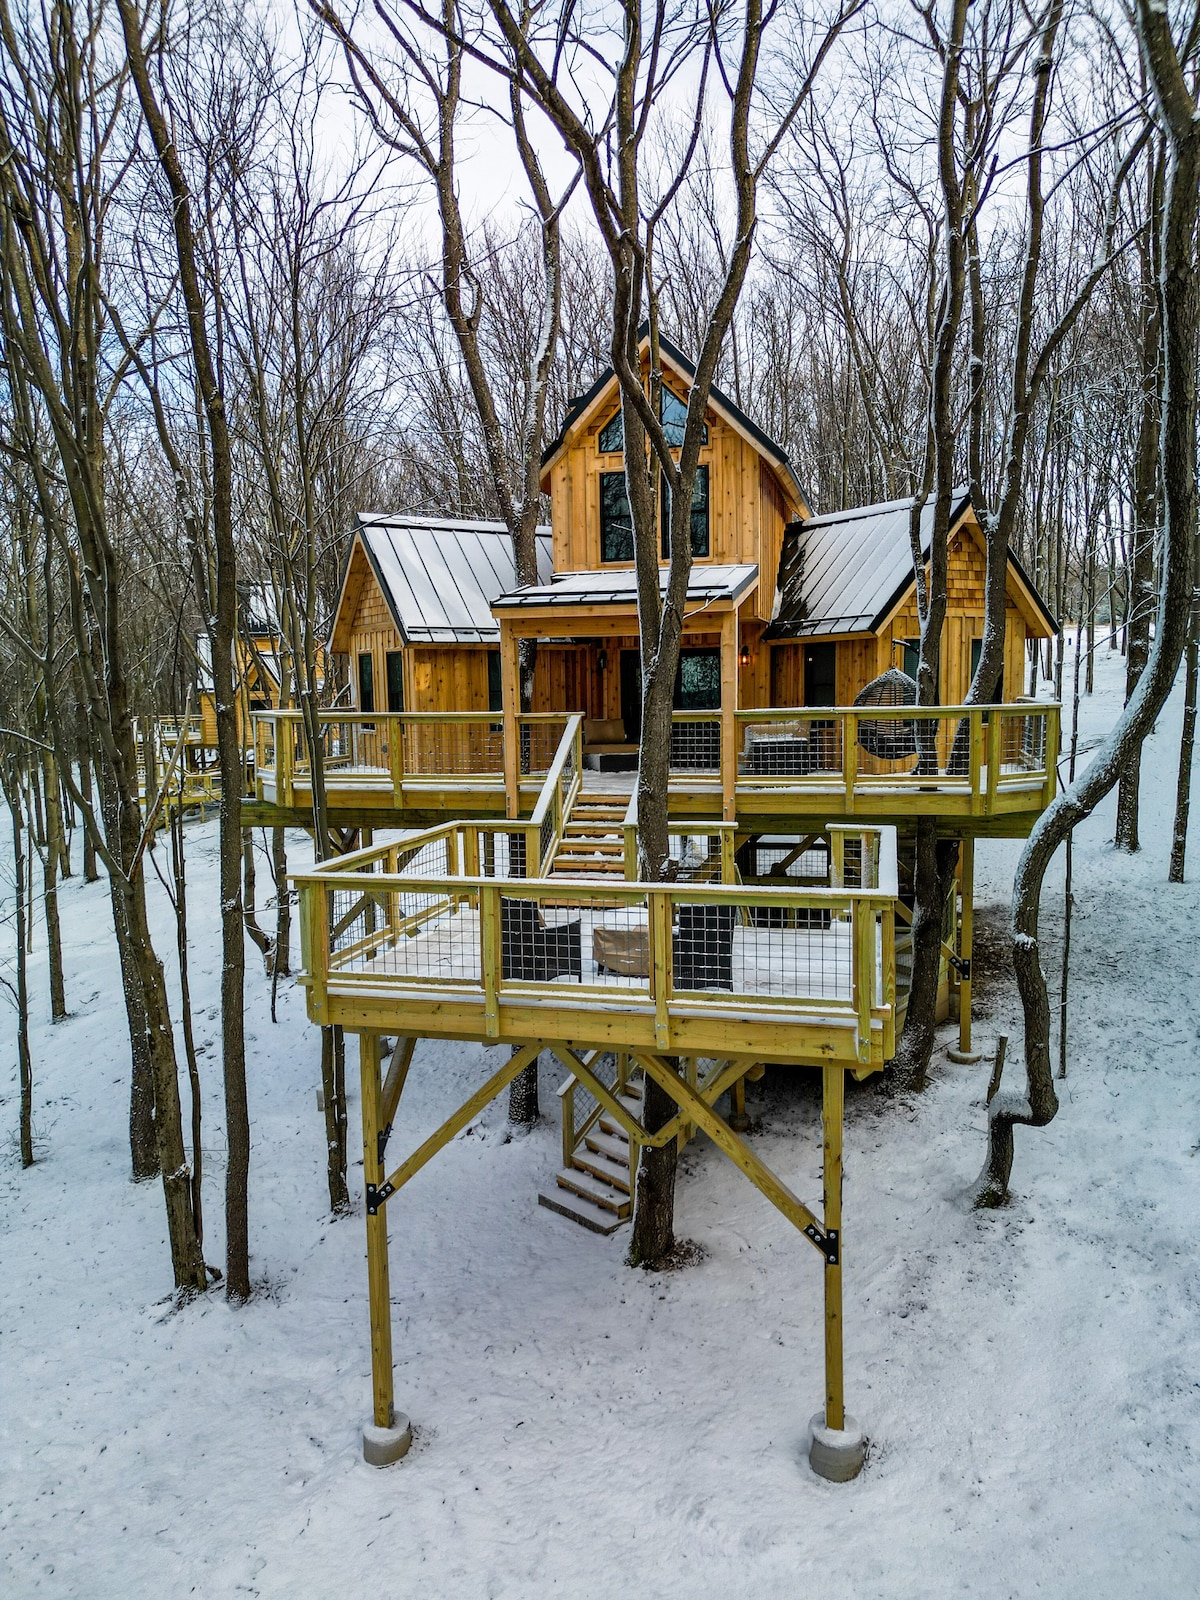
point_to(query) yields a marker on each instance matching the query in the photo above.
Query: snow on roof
(705, 584)
(440, 576)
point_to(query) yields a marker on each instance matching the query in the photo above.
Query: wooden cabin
(259, 667)
(795, 609)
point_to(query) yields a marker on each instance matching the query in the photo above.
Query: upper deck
(980, 770)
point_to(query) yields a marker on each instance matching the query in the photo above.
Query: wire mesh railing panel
(453, 748)
(378, 928)
(749, 948)
(792, 860)
(695, 856)
(798, 747)
(696, 745)
(539, 738)
(913, 746)
(585, 1108)
(1022, 742)
(561, 938)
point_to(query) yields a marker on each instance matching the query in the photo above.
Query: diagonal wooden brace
(499, 1081)
(698, 1110)
(713, 1087)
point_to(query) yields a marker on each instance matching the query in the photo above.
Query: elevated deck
(440, 936)
(977, 770)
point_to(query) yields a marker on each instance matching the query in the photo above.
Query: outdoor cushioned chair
(534, 953)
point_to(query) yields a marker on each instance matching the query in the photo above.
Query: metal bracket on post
(961, 966)
(377, 1196)
(381, 1139)
(826, 1241)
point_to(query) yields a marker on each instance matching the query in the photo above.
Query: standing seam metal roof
(440, 577)
(843, 573)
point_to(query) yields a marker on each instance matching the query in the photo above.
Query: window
(674, 419)
(699, 515)
(366, 682)
(616, 519)
(976, 652)
(612, 436)
(698, 682)
(394, 661)
(495, 692)
(912, 657)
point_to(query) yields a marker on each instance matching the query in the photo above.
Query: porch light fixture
(745, 655)
(602, 659)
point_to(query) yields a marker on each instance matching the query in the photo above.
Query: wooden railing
(698, 849)
(961, 761)
(440, 934)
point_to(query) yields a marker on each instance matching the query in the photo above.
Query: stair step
(584, 1212)
(615, 1147)
(583, 867)
(597, 1190)
(591, 847)
(615, 1173)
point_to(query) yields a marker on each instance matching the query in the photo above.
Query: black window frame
(611, 522)
(495, 681)
(711, 655)
(366, 682)
(394, 686)
(700, 521)
(611, 439)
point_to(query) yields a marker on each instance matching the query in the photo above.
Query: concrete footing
(836, 1453)
(964, 1058)
(382, 1446)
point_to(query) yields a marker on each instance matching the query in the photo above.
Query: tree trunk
(333, 1084)
(1187, 744)
(653, 1237)
(179, 875)
(1177, 282)
(1140, 592)
(91, 870)
(281, 955)
(24, 1058)
(50, 868)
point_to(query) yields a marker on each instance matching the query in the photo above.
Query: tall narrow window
(394, 661)
(699, 515)
(616, 519)
(912, 658)
(495, 690)
(366, 682)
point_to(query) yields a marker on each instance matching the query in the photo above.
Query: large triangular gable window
(674, 420)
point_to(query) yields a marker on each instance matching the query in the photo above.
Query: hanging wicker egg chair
(893, 739)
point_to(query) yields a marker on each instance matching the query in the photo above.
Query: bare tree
(1167, 65)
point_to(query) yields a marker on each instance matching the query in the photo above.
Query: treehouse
(514, 916)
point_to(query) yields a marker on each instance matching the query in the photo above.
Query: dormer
(745, 493)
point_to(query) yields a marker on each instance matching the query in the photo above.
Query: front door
(820, 675)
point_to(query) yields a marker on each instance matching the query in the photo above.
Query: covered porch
(593, 618)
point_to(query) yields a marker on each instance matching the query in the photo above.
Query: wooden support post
(510, 699)
(832, 1106)
(377, 1241)
(729, 700)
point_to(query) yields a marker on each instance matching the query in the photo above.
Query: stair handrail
(544, 831)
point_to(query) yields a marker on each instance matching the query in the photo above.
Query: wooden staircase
(593, 842)
(594, 1190)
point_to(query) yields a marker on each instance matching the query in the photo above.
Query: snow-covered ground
(1028, 1377)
